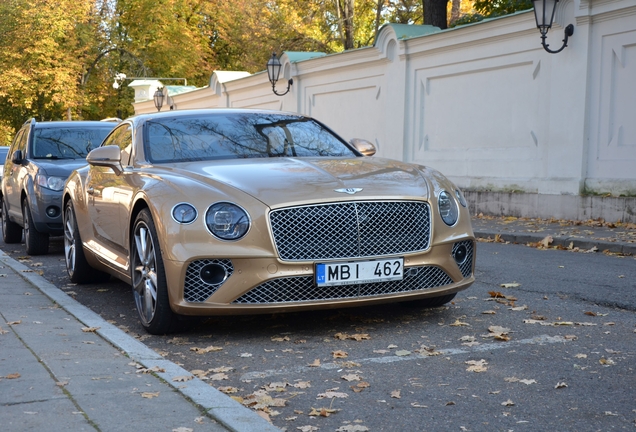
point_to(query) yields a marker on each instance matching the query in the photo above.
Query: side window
(121, 137)
(19, 143)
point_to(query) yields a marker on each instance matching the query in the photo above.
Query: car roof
(208, 111)
(74, 124)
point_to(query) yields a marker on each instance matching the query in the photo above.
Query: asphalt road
(555, 349)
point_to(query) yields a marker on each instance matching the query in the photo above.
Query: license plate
(359, 272)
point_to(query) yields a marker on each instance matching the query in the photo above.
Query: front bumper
(266, 285)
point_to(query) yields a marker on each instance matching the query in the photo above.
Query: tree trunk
(455, 10)
(347, 18)
(435, 13)
(378, 17)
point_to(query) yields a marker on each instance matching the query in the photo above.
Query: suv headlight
(447, 208)
(227, 221)
(52, 182)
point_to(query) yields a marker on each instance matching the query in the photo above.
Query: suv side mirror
(363, 146)
(107, 156)
(17, 157)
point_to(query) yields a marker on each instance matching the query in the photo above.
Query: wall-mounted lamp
(158, 97)
(273, 71)
(544, 14)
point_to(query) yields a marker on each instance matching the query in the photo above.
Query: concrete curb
(220, 407)
(583, 244)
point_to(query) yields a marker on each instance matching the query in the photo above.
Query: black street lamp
(158, 97)
(273, 71)
(544, 14)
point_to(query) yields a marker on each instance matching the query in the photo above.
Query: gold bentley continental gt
(218, 212)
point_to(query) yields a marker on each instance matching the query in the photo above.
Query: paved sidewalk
(617, 237)
(57, 376)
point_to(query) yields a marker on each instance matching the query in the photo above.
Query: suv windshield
(66, 143)
(239, 135)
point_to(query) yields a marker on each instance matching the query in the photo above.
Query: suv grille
(303, 288)
(351, 230)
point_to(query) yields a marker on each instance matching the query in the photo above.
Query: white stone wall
(484, 103)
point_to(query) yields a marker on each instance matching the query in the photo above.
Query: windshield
(239, 135)
(66, 143)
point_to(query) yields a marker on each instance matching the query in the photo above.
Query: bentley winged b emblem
(349, 191)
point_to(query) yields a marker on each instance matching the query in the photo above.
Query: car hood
(60, 167)
(294, 181)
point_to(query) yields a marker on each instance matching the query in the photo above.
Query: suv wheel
(11, 231)
(37, 243)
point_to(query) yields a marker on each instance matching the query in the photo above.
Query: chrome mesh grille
(195, 290)
(303, 288)
(351, 230)
(467, 266)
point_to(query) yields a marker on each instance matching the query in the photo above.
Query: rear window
(66, 143)
(239, 135)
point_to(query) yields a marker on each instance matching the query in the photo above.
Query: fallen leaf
(352, 428)
(459, 323)
(280, 339)
(222, 369)
(560, 385)
(307, 428)
(245, 355)
(182, 429)
(182, 378)
(316, 363)
(322, 412)
(396, 394)
(508, 403)
(581, 356)
(228, 389)
(150, 395)
(90, 329)
(11, 323)
(339, 354)
(219, 377)
(510, 285)
(402, 353)
(351, 377)
(417, 405)
(211, 348)
(13, 376)
(489, 312)
(61, 383)
(302, 384)
(477, 365)
(527, 381)
(331, 394)
(450, 403)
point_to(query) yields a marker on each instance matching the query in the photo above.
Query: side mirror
(363, 146)
(17, 157)
(107, 156)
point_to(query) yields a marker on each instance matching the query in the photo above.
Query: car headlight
(184, 213)
(52, 182)
(447, 208)
(227, 221)
(460, 197)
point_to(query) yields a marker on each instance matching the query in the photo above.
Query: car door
(108, 197)
(13, 175)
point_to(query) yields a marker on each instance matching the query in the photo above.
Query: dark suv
(41, 157)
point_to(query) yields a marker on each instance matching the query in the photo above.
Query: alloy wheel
(144, 273)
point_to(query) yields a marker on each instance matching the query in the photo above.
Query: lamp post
(273, 71)
(544, 15)
(158, 97)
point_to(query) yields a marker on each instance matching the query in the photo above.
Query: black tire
(78, 269)
(431, 302)
(36, 243)
(11, 231)
(149, 285)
